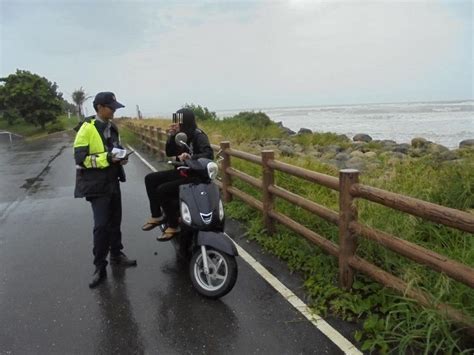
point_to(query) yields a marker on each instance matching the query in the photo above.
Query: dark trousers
(107, 219)
(163, 190)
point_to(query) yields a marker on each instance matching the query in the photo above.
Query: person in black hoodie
(163, 187)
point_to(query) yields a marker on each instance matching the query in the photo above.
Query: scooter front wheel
(222, 273)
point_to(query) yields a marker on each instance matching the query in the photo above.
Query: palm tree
(79, 97)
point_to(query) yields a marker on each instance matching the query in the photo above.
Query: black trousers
(163, 190)
(107, 219)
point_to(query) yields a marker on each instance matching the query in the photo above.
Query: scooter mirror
(181, 138)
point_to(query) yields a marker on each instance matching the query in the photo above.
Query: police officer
(98, 177)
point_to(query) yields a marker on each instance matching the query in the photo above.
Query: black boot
(122, 260)
(99, 275)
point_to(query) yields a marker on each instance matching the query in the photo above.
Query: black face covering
(189, 122)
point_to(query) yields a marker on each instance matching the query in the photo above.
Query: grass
(391, 323)
(30, 131)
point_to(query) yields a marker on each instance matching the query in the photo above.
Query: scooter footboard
(218, 241)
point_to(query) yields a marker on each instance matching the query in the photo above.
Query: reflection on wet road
(46, 306)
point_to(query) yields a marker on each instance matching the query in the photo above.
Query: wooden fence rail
(346, 218)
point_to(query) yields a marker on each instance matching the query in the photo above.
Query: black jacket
(198, 142)
(98, 182)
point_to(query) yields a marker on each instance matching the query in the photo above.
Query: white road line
(337, 338)
(141, 158)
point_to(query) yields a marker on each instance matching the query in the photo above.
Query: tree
(31, 97)
(201, 113)
(67, 106)
(79, 97)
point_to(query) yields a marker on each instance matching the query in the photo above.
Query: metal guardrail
(10, 135)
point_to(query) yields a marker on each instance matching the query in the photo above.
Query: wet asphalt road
(46, 306)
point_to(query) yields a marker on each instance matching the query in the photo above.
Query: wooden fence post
(158, 142)
(149, 135)
(154, 141)
(347, 214)
(226, 178)
(267, 180)
(143, 136)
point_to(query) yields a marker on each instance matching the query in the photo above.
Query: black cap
(107, 99)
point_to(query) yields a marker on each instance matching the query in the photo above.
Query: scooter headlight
(221, 210)
(185, 213)
(212, 170)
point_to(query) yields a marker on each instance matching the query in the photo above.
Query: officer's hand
(116, 160)
(123, 161)
(184, 156)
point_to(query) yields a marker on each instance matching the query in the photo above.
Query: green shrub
(256, 119)
(57, 126)
(201, 113)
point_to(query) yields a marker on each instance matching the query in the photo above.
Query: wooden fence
(350, 230)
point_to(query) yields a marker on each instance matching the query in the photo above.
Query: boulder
(434, 148)
(357, 153)
(305, 131)
(343, 137)
(343, 156)
(417, 152)
(288, 131)
(362, 137)
(316, 154)
(361, 146)
(448, 155)
(356, 163)
(467, 143)
(333, 148)
(419, 142)
(387, 142)
(287, 151)
(275, 141)
(398, 155)
(403, 148)
(298, 148)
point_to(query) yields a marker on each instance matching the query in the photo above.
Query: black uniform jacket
(98, 182)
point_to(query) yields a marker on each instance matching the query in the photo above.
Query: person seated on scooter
(163, 187)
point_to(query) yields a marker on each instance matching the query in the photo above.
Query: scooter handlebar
(176, 163)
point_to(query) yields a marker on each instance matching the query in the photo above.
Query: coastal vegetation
(31, 105)
(389, 322)
(27, 130)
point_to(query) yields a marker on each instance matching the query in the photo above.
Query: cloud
(250, 54)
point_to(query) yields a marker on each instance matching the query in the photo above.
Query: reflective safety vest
(88, 136)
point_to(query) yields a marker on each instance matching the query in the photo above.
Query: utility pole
(139, 113)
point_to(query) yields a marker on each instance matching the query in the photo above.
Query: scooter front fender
(217, 240)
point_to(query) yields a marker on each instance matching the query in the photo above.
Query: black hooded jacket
(197, 139)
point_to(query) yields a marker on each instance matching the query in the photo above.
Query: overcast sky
(247, 54)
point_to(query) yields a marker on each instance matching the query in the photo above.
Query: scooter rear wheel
(222, 273)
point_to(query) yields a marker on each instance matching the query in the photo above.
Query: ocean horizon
(442, 122)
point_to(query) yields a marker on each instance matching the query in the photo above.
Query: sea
(442, 122)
